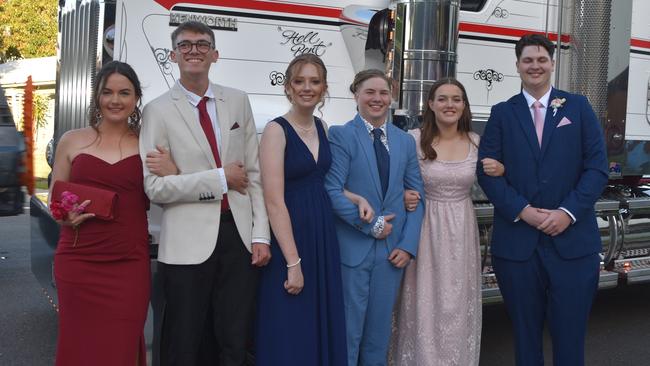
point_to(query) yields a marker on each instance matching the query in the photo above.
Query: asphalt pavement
(618, 335)
(27, 319)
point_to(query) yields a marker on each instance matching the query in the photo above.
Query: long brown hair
(429, 128)
(124, 69)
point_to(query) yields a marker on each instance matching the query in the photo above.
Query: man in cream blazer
(209, 274)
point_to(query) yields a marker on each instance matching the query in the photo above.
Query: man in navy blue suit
(545, 240)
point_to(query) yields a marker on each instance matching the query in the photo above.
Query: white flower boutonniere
(557, 103)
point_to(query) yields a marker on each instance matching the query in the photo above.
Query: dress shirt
(384, 135)
(211, 106)
(530, 100)
(544, 100)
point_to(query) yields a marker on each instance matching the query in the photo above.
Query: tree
(40, 111)
(28, 28)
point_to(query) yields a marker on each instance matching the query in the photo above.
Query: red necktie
(538, 121)
(206, 123)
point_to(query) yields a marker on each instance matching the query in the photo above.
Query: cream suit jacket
(191, 200)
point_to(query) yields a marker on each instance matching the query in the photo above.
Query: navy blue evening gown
(308, 328)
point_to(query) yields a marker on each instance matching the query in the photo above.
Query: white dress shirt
(211, 106)
(544, 101)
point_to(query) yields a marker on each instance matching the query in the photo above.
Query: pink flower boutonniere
(557, 103)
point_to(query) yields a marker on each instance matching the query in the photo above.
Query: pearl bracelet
(295, 264)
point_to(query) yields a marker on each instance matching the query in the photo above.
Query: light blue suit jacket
(354, 167)
(569, 170)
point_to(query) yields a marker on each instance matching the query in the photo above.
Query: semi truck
(603, 52)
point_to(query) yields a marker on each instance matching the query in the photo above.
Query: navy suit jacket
(569, 170)
(354, 167)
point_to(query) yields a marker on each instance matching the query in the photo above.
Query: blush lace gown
(438, 314)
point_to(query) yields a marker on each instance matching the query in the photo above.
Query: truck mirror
(49, 153)
(109, 40)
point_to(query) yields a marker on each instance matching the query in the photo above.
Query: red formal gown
(103, 280)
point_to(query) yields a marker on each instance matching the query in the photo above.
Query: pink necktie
(538, 121)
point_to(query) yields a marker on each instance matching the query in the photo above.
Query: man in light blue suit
(378, 161)
(545, 241)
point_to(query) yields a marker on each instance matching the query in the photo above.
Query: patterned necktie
(206, 123)
(538, 121)
(383, 160)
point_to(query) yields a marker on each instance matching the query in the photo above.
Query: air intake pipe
(425, 43)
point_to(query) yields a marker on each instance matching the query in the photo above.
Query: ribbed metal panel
(589, 56)
(80, 22)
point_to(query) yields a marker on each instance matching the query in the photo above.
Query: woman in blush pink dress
(438, 315)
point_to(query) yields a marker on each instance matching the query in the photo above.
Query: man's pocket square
(565, 121)
(236, 126)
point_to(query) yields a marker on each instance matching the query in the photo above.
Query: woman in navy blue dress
(300, 319)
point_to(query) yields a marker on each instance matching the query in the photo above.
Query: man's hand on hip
(261, 254)
(236, 176)
(556, 222)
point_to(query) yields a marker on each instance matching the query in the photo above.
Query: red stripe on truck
(293, 8)
(329, 12)
(503, 31)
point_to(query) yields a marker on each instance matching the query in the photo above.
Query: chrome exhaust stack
(425, 42)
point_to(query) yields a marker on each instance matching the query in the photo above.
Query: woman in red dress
(101, 267)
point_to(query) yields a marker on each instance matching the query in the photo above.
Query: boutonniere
(557, 103)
